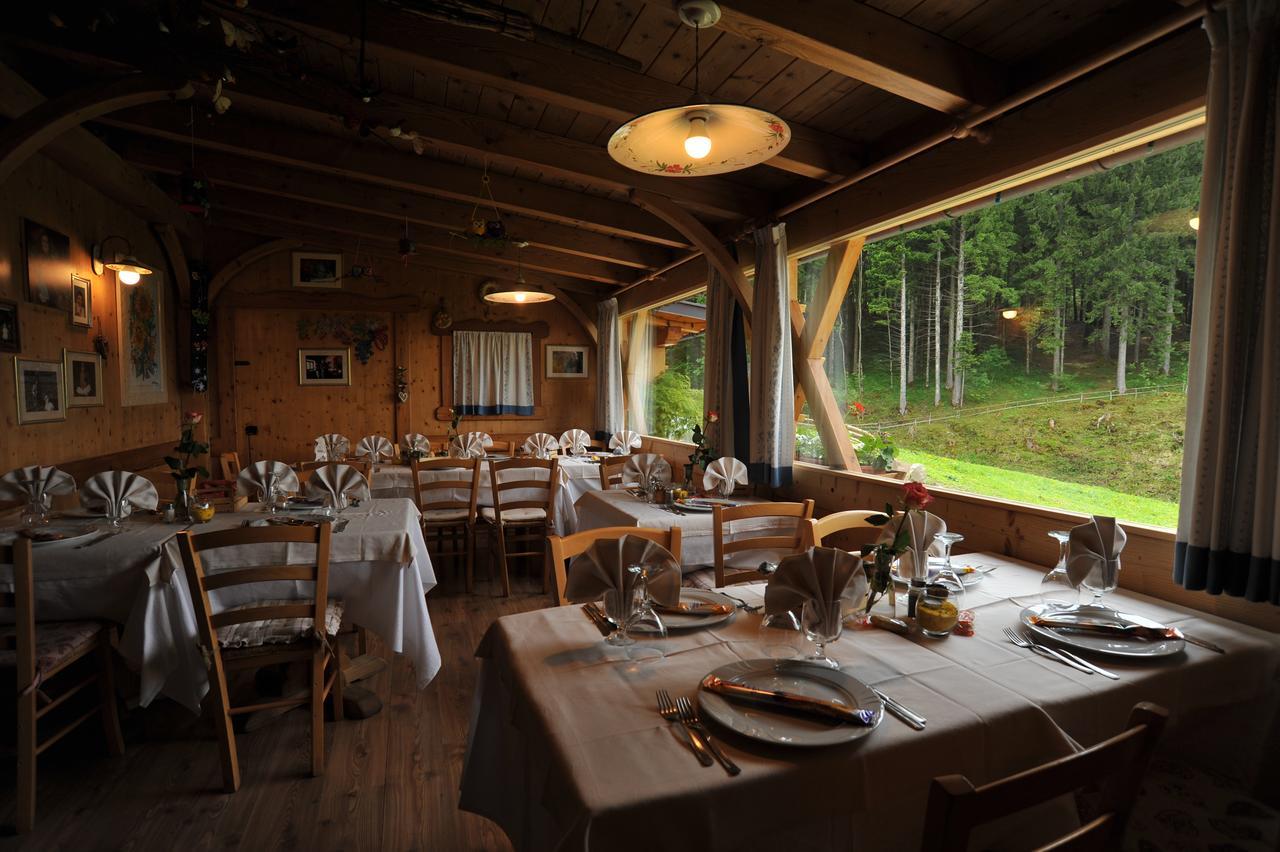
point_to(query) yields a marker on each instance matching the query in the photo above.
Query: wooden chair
(770, 540)
(229, 464)
(507, 448)
(38, 652)
(289, 631)
(560, 549)
(611, 472)
(956, 807)
(452, 520)
(814, 531)
(530, 518)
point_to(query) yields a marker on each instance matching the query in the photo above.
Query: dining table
(378, 565)
(567, 749)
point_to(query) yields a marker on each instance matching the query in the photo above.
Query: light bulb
(520, 297)
(128, 277)
(697, 144)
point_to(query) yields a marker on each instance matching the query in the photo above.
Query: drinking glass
(623, 605)
(116, 511)
(1103, 578)
(948, 576)
(822, 625)
(1056, 591)
(36, 512)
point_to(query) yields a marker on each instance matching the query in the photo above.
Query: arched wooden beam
(697, 233)
(233, 267)
(38, 126)
(588, 324)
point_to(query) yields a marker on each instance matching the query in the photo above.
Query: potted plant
(877, 453)
(184, 473)
(702, 454)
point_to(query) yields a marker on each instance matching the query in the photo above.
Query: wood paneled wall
(43, 192)
(256, 327)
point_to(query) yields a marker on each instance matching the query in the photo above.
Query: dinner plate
(778, 728)
(1120, 646)
(704, 504)
(69, 532)
(686, 621)
(936, 564)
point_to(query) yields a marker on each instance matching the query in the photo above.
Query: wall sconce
(129, 270)
(1009, 313)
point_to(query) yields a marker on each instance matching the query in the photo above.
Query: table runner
(566, 750)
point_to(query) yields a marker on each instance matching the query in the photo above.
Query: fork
(668, 710)
(689, 716)
(1043, 650)
(740, 602)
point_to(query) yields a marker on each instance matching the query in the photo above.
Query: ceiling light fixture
(519, 293)
(699, 138)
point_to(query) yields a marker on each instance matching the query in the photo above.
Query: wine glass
(947, 575)
(116, 510)
(1102, 578)
(36, 512)
(623, 605)
(1056, 592)
(822, 623)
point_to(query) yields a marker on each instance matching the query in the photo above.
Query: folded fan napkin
(257, 477)
(332, 447)
(823, 575)
(646, 466)
(1095, 546)
(624, 441)
(723, 474)
(375, 448)
(417, 441)
(337, 481)
(26, 482)
(603, 567)
(540, 445)
(483, 437)
(923, 528)
(468, 446)
(107, 489)
(575, 442)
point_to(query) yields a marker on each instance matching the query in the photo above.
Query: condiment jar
(914, 595)
(936, 613)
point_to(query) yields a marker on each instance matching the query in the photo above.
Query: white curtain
(725, 373)
(609, 403)
(493, 373)
(1229, 516)
(773, 422)
(639, 369)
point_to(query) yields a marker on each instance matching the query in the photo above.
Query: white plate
(1120, 646)
(73, 533)
(704, 504)
(760, 723)
(685, 621)
(935, 565)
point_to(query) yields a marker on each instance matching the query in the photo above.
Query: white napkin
(604, 565)
(624, 442)
(482, 437)
(923, 528)
(723, 474)
(255, 477)
(417, 441)
(1095, 545)
(646, 466)
(822, 574)
(575, 442)
(375, 447)
(25, 482)
(107, 489)
(540, 445)
(337, 481)
(330, 447)
(468, 446)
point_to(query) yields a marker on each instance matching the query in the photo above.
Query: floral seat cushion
(56, 642)
(276, 631)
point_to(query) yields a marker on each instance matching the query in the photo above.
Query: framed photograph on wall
(324, 367)
(10, 333)
(84, 378)
(142, 369)
(48, 265)
(81, 302)
(40, 391)
(317, 269)
(567, 362)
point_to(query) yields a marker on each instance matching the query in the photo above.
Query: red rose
(858, 408)
(713, 417)
(915, 495)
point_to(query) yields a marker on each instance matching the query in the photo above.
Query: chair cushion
(56, 642)
(514, 515)
(435, 516)
(277, 631)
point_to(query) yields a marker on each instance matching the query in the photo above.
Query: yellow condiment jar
(202, 512)
(936, 613)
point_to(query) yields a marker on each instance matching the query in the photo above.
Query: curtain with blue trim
(773, 421)
(493, 373)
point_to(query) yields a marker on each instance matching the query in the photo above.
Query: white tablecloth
(378, 565)
(566, 750)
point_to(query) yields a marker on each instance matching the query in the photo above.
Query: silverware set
(900, 711)
(743, 604)
(99, 539)
(596, 617)
(704, 747)
(1059, 654)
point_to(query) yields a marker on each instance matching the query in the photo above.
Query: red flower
(192, 417)
(675, 168)
(857, 408)
(775, 126)
(713, 417)
(915, 495)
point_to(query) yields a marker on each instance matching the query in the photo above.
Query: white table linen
(567, 751)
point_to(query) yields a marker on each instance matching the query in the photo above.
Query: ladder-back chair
(560, 549)
(529, 516)
(738, 552)
(448, 506)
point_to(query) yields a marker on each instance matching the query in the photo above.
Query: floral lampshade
(729, 137)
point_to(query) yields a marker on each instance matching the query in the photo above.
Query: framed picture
(40, 391)
(81, 302)
(10, 335)
(84, 378)
(142, 368)
(324, 367)
(566, 362)
(317, 269)
(48, 266)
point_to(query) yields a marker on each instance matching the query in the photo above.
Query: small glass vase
(182, 500)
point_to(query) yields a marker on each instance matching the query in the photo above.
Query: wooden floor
(391, 782)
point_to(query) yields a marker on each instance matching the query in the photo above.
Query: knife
(777, 699)
(699, 608)
(1204, 643)
(910, 717)
(594, 617)
(1108, 628)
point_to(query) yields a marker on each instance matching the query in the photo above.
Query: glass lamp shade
(130, 264)
(740, 137)
(518, 295)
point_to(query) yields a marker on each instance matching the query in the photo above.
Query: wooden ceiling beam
(534, 71)
(229, 170)
(866, 44)
(373, 162)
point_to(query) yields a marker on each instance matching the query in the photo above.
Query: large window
(1034, 349)
(665, 358)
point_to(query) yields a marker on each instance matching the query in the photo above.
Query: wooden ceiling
(301, 154)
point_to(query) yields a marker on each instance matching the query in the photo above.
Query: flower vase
(688, 476)
(182, 500)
